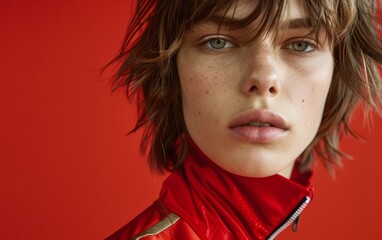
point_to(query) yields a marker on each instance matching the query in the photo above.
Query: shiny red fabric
(215, 204)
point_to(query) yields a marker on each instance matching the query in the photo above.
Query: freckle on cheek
(207, 92)
(303, 100)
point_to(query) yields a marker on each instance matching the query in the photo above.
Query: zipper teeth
(291, 219)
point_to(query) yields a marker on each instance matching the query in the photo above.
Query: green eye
(301, 46)
(218, 43)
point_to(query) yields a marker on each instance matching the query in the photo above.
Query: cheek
(312, 82)
(201, 84)
(205, 95)
(312, 98)
(196, 97)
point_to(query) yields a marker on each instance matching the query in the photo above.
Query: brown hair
(148, 71)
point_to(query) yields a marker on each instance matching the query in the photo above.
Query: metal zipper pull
(291, 219)
(295, 224)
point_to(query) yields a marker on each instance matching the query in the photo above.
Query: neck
(287, 172)
(213, 200)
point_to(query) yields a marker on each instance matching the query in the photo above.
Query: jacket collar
(221, 205)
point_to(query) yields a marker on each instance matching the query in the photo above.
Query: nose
(261, 76)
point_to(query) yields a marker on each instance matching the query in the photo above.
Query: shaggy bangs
(268, 15)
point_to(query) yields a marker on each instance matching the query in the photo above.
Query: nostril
(253, 89)
(272, 90)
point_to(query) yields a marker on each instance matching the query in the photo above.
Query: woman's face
(253, 108)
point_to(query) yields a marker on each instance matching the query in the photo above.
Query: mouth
(259, 118)
(259, 126)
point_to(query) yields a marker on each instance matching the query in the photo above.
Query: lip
(255, 134)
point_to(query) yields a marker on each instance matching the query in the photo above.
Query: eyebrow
(295, 23)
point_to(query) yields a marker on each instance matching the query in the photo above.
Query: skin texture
(223, 78)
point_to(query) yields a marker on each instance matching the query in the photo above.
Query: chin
(263, 165)
(254, 171)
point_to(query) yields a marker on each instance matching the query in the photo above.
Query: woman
(237, 97)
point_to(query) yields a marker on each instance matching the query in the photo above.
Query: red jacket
(203, 201)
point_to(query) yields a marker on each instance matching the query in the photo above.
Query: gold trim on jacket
(159, 227)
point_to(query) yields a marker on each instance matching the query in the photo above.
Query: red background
(67, 170)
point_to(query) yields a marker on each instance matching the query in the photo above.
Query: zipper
(293, 217)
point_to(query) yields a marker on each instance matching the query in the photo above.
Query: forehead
(260, 18)
(242, 9)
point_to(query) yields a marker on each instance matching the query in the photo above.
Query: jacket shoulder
(162, 228)
(155, 223)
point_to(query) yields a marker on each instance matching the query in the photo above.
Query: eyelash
(310, 45)
(208, 43)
